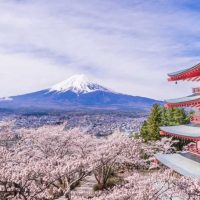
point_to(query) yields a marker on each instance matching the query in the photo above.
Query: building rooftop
(183, 163)
(191, 98)
(192, 72)
(189, 131)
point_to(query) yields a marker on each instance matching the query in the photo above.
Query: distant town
(99, 124)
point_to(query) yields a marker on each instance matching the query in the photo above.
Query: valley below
(96, 123)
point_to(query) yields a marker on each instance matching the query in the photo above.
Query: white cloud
(128, 46)
(22, 74)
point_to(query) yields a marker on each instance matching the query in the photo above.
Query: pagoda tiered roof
(192, 100)
(184, 163)
(187, 132)
(192, 73)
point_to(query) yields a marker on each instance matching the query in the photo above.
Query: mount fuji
(78, 84)
(76, 93)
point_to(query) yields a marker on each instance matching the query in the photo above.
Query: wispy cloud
(126, 45)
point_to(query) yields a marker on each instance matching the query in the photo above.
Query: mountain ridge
(77, 93)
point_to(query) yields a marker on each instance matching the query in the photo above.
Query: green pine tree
(154, 122)
(150, 129)
(161, 116)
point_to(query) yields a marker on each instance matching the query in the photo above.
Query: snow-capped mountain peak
(77, 84)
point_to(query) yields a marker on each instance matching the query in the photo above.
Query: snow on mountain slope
(6, 99)
(77, 84)
(76, 93)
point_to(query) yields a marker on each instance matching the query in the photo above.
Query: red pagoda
(186, 163)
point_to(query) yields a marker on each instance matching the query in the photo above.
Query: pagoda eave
(190, 74)
(184, 78)
(179, 136)
(185, 132)
(185, 164)
(189, 101)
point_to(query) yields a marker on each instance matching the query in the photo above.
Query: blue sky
(127, 45)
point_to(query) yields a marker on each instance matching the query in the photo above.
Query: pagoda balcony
(195, 119)
(196, 90)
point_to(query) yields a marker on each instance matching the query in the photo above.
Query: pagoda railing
(196, 90)
(195, 119)
(183, 104)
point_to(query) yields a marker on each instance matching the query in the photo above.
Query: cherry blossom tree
(43, 164)
(49, 162)
(152, 186)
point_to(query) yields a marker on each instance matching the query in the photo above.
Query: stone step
(85, 187)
